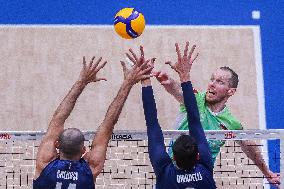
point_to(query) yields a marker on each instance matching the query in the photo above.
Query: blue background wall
(165, 12)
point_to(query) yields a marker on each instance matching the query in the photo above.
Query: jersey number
(59, 185)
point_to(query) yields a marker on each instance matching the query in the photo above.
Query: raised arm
(97, 155)
(156, 146)
(47, 151)
(253, 152)
(171, 86)
(183, 68)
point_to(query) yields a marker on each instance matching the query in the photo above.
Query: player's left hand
(184, 63)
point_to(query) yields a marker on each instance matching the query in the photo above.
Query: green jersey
(223, 120)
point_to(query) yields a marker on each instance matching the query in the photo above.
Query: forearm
(66, 106)
(154, 131)
(150, 113)
(175, 90)
(114, 110)
(195, 128)
(253, 152)
(156, 145)
(190, 103)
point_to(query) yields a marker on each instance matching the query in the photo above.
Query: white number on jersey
(59, 185)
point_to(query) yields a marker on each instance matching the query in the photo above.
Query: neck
(217, 107)
(63, 157)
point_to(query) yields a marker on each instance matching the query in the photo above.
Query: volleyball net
(127, 164)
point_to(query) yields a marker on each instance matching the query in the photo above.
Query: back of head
(71, 141)
(185, 152)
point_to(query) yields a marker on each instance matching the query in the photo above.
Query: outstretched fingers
(89, 71)
(101, 66)
(90, 66)
(130, 58)
(178, 52)
(142, 51)
(146, 73)
(191, 51)
(171, 65)
(84, 63)
(95, 70)
(123, 64)
(141, 59)
(143, 65)
(195, 57)
(97, 63)
(134, 55)
(185, 50)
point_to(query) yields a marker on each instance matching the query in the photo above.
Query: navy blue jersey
(65, 174)
(168, 175)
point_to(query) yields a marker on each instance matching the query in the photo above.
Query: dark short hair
(234, 80)
(70, 142)
(185, 151)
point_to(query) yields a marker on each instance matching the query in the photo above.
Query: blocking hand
(141, 68)
(184, 63)
(89, 71)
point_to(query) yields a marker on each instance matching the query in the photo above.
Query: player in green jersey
(215, 115)
(222, 120)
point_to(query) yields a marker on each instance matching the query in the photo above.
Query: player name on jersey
(189, 177)
(67, 175)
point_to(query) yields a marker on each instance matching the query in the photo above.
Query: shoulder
(166, 169)
(84, 163)
(47, 170)
(230, 121)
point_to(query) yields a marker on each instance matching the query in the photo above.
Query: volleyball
(129, 23)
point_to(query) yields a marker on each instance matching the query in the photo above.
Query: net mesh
(128, 165)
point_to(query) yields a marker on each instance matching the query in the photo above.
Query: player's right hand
(162, 77)
(140, 70)
(184, 63)
(89, 71)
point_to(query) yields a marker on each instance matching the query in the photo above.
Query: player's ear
(83, 150)
(56, 144)
(231, 91)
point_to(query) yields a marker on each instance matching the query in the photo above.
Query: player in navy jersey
(68, 169)
(194, 165)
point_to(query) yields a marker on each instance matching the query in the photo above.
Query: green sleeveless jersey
(223, 120)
